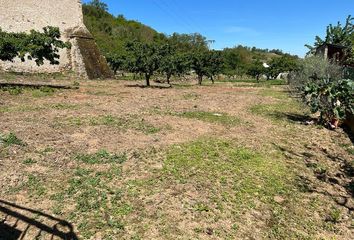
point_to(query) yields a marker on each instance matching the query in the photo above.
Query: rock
(279, 199)
(350, 204)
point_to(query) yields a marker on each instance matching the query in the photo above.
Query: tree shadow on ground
(144, 86)
(16, 216)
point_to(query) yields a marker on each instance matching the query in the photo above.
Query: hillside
(111, 33)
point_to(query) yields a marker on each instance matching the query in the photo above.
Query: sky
(272, 24)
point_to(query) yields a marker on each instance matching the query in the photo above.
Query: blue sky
(280, 24)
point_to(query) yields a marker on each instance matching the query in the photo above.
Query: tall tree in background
(172, 63)
(144, 58)
(215, 64)
(256, 69)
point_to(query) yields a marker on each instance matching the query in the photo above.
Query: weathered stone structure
(83, 58)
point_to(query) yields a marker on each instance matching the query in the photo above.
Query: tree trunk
(200, 79)
(257, 78)
(212, 79)
(147, 78)
(168, 79)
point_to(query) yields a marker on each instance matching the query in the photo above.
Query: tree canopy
(37, 46)
(339, 35)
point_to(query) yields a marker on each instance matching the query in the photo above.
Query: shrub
(313, 69)
(333, 99)
(321, 86)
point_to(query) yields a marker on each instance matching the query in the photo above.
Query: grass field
(226, 161)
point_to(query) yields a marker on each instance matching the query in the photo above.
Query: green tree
(35, 46)
(172, 62)
(215, 64)
(199, 63)
(256, 69)
(144, 58)
(99, 5)
(285, 63)
(117, 62)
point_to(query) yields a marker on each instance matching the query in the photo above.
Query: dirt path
(214, 162)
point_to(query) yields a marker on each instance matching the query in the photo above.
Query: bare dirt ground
(116, 161)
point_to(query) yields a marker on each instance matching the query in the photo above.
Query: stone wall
(24, 15)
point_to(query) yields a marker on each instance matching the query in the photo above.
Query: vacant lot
(116, 161)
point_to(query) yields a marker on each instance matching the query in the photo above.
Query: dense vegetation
(35, 45)
(133, 47)
(322, 82)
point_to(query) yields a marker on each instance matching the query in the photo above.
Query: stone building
(83, 58)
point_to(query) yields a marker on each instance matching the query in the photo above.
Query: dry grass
(228, 161)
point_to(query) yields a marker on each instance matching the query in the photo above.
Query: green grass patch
(43, 92)
(11, 139)
(244, 176)
(64, 106)
(29, 161)
(101, 157)
(98, 204)
(212, 117)
(131, 122)
(282, 111)
(34, 186)
(13, 90)
(274, 93)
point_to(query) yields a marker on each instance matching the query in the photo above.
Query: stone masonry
(83, 58)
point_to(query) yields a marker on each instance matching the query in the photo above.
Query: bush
(312, 69)
(321, 86)
(333, 99)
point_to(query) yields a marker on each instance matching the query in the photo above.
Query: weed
(43, 92)
(35, 186)
(11, 139)
(97, 204)
(101, 157)
(334, 215)
(29, 161)
(13, 90)
(63, 106)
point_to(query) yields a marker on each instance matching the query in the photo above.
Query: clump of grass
(11, 139)
(212, 117)
(250, 175)
(101, 157)
(35, 186)
(274, 93)
(13, 90)
(98, 206)
(334, 215)
(63, 106)
(29, 161)
(43, 92)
